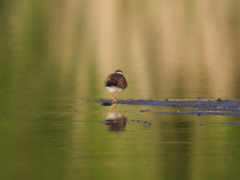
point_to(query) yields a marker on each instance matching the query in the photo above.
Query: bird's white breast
(113, 89)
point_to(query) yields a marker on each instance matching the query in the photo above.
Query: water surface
(54, 57)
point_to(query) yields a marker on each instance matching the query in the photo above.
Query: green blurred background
(176, 49)
(54, 57)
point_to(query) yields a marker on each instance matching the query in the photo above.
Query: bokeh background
(55, 56)
(166, 49)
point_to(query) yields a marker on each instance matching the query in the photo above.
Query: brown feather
(117, 80)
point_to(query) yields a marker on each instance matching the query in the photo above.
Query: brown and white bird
(115, 83)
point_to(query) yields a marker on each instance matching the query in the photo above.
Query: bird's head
(119, 71)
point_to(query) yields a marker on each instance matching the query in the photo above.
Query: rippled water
(54, 58)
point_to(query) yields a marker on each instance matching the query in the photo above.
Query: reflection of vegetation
(190, 47)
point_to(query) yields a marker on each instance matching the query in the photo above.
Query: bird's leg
(116, 96)
(114, 100)
(114, 107)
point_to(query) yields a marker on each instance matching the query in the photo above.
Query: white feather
(113, 89)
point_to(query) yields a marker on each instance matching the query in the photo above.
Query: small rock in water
(219, 99)
(145, 110)
(147, 124)
(106, 103)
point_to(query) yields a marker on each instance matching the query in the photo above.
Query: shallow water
(54, 58)
(66, 141)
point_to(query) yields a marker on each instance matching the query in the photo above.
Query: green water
(54, 57)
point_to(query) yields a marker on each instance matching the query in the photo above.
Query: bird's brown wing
(111, 80)
(116, 80)
(122, 83)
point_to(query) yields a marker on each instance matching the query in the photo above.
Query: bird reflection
(115, 121)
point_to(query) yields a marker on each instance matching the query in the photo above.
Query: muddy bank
(198, 107)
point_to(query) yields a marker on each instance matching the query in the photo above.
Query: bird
(115, 83)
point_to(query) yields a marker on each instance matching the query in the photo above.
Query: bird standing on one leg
(115, 83)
